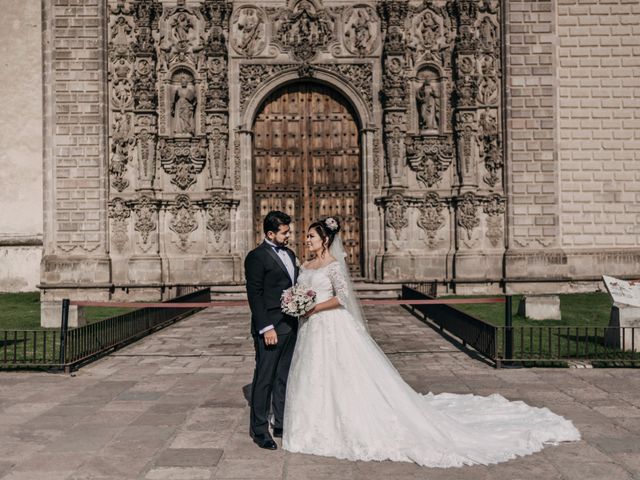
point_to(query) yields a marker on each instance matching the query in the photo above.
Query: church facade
(469, 142)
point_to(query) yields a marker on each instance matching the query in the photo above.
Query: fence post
(64, 329)
(508, 331)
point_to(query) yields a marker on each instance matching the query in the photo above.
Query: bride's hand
(310, 312)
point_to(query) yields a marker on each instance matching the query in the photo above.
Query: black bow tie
(279, 247)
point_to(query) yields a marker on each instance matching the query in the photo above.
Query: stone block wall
(75, 176)
(599, 123)
(20, 145)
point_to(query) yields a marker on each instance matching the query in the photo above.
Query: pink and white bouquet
(298, 300)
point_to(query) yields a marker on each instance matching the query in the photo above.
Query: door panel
(306, 157)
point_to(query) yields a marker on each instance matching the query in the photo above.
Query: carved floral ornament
(218, 216)
(431, 219)
(395, 214)
(183, 220)
(119, 212)
(467, 213)
(494, 208)
(358, 75)
(429, 157)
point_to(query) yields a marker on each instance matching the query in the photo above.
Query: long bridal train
(345, 399)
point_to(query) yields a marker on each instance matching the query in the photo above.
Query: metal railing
(550, 344)
(470, 330)
(68, 348)
(530, 345)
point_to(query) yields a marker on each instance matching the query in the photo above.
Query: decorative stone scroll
(183, 159)
(429, 157)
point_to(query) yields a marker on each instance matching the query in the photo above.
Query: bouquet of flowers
(298, 300)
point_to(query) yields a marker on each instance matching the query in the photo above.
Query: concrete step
(364, 290)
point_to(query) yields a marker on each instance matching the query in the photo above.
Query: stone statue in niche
(181, 27)
(249, 32)
(183, 106)
(428, 100)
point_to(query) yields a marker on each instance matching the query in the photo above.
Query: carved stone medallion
(248, 34)
(361, 26)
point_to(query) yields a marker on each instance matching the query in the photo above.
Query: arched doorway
(306, 162)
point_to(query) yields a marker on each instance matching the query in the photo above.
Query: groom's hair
(273, 220)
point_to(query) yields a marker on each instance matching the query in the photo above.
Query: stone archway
(306, 162)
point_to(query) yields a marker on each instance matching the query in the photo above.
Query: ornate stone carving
(145, 210)
(218, 216)
(237, 173)
(249, 31)
(361, 25)
(183, 159)
(184, 100)
(252, 76)
(183, 220)
(431, 34)
(181, 33)
(394, 136)
(393, 14)
(494, 208)
(466, 138)
(467, 213)
(303, 28)
(376, 159)
(429, 157)
(429, 100)
(118, 163)
(431, 219)
(490, 147)
(119, 213)
(358, 75)
(396, 214)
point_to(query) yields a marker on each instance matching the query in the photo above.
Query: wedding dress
(345, 399)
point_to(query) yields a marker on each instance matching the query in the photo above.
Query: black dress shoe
(277, 432)
(265, 441)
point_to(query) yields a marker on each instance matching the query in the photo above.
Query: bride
(345, 399)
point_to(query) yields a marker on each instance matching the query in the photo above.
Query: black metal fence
(550, 345)
(470, 330)
(68, 348)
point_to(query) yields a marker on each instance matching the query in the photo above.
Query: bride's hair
(327, 229)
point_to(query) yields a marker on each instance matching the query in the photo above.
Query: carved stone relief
(119, 213)
(249, 31)
(431, 219)
(467, 214)
(183, 159)
(494, 209)
(146, 212)
(361, 26)
(303, 28)
(218, 216)
(183, 220)
(396, 214)
(429, 157)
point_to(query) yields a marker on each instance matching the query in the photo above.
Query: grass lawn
(578, 309)
(21, 311)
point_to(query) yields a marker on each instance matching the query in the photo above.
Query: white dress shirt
(286, 259)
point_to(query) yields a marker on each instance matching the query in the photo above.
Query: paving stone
(186, 457)
(179, 473)
(119, 419)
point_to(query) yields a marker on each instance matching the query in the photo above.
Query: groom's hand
(270, 337)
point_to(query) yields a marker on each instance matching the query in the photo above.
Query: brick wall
(599, 122)
(532, 176)
(74, 127)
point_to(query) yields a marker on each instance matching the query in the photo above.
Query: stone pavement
(172, 407)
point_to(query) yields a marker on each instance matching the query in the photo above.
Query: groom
(269, 270)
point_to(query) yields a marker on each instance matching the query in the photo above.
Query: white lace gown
(345, 399)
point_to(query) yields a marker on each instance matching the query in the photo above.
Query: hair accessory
(331, 224)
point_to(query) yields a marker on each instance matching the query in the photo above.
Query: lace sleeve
(339, 283)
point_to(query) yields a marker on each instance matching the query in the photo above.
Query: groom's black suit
(267, 277)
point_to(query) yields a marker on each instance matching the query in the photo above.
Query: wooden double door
(306, 162)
